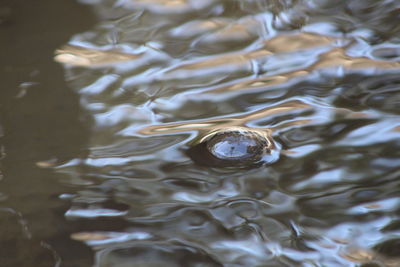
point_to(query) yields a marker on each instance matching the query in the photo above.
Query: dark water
(95, 165)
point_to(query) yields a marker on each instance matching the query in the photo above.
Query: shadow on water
(39, 121)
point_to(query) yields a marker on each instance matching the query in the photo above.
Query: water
(116, 184)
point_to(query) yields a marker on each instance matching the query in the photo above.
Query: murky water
(319, 80)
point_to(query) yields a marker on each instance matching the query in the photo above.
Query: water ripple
(318, 77)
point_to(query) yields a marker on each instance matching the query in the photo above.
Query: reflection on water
(326, 94)
(319, 78)
(81, 56)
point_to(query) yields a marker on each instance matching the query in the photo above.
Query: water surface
(154, 76)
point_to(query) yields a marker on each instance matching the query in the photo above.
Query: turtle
(231, 142)
(236, 146)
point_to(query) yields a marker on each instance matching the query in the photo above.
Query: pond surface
(104, 102)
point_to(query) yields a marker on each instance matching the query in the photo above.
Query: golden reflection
(301, 41)
(169, 6)
(334, 58)
(358, 255)
(226, 63)
(168, 3)
(261, 60)
(396, 129)
(243, 31)
(197, 27)
(226, 122)
(337, 58)
(88, 236)
(88, 57)
(362, 255)
(243, 61)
